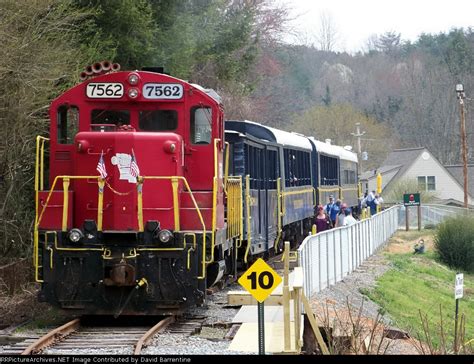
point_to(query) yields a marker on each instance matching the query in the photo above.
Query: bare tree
(328, 36)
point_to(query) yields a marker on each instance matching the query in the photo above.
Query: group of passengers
(334, 214)
(371, 200)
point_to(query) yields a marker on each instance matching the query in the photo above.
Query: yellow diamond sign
(260, 280)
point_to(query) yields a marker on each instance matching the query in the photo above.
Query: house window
(427, 183)
(431, 183)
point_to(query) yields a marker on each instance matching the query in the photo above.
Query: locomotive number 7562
(104, 90)
(162, 91)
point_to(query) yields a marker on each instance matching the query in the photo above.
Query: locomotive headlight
(133, 79)
(165, 236)
(75, 235)
(133, 93)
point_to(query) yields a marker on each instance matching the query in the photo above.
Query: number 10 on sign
(260, 280)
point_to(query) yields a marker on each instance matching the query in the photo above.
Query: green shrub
(454, 242)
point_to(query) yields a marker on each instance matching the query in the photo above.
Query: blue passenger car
(278, 193)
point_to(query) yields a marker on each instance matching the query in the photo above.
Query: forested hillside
(401, 94)
(409, 89)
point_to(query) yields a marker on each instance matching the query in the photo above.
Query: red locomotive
(133, 219)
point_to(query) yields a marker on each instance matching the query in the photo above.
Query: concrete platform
(246, 339)
(271, 314)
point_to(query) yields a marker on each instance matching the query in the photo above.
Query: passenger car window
(68, 123)
(201, 125)
(158, 120)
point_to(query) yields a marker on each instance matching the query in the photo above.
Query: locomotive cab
(132, 220)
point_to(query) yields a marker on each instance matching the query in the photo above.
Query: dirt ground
(400, 245)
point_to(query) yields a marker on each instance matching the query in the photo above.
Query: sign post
(458, 293)
(260, 280)
(412, 199)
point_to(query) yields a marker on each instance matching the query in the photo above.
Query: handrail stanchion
(174, 186)
(100, 204)
(66, 182)
(140, 181)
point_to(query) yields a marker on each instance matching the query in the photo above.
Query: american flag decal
(134, 170)
(101, 166)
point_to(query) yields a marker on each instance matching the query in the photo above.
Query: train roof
(334, 150)
(78, 91)
(270, 134)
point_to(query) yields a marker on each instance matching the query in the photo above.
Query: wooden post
(419, 217)
(406, 219)
(286, 298)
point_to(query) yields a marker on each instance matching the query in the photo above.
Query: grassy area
(420, 282)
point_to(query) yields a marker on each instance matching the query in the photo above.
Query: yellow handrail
(66, 182)
(249, 227)
(100, 204)
(214, 218)
(203, 276)
(38, 219)
(101, 183)
(39, 170)
(140, 203)
(322, 190)
(234, 207)
(174, 186)
(279, 212)
(290, 193)
(226, 165)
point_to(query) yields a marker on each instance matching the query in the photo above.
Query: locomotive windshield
(103, 120)
(158, 120)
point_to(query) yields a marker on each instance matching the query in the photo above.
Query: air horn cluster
(98, 68)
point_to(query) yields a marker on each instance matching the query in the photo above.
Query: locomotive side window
(201, 125)
(68, 123)
(108, 120)
(158, 120)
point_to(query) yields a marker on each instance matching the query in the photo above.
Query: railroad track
(77, 338)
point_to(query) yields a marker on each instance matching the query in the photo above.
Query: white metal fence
(329, 256)
(431, 214)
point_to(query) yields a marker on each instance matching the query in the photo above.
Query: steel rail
(146, 338)
(52, 336)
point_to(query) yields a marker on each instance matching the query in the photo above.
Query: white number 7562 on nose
(104, 90)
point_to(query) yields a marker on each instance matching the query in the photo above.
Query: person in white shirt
(379, 201)
(349, 219)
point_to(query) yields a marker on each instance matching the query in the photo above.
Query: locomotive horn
(106, 65)
(83, 76)
(97, 67)
(115, 67)
(89, 71)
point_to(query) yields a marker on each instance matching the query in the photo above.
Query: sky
(356, 20)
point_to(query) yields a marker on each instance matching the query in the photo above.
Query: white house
(418, 164)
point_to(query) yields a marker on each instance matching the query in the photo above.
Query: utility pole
(461, 97)
(358, 134)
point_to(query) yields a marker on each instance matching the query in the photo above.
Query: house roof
(403, 158)
(457, 172)
(373, 173)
